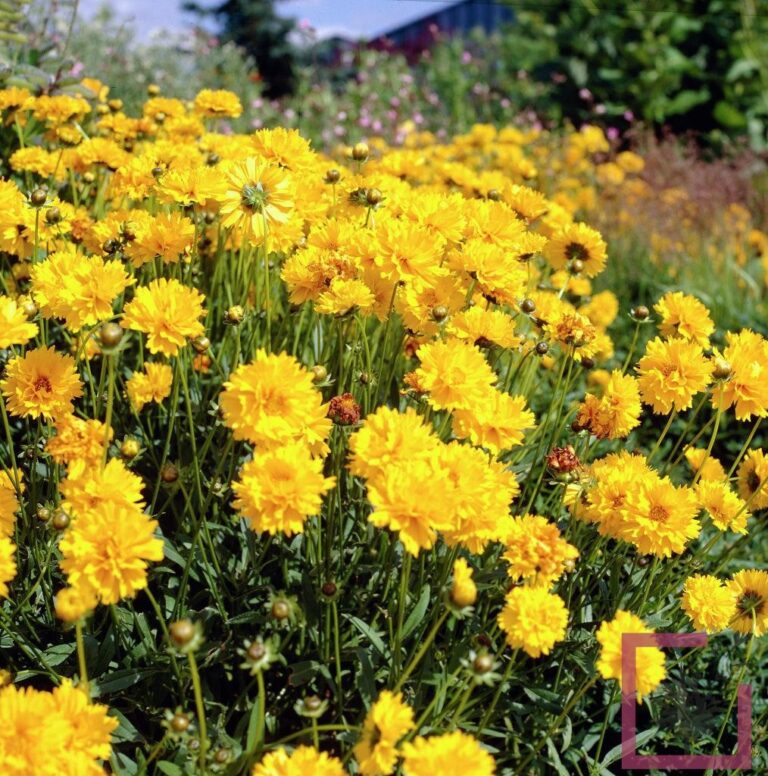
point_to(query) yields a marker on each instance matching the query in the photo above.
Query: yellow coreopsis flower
(257, 194)
(388, 720)
(451, 754)
(168, 312)
(709, 602)
(303, 760)
(41, 383)
(151, 385)
(649, 661)
(280, 488)
(106, 551)
(750, 587)
(533, 620)
(15, 329)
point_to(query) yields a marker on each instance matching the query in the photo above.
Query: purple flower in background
(612, 133)
(629, 116)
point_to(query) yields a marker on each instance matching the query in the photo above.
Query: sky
(352, 18)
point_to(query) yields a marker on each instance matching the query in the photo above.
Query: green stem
(200, 706)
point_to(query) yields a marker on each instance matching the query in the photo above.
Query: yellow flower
(76, 288)
(711, 468)
(405, 252)
(7, 564)
(303, 760)
(463, 589)
(577, 242)
(152, 385)
(410, 497)
(77, 438)
(614, 414)
(257, 194)
(497, 423)
(280, 488)
(284, 147)
(344, 296)
(15, 329)
(451, 754)
(672, 373)
(9, 502)
(168, 313)
(746, 388)
(217, 103)
(533, 619)
(709, 602)
(454, 374)
(272, 400)
(388, 720)
(41, 383)
(660, 519)
(750, 587)
(88, 487)
(106, 551)
(649, 661)
(752, 477)
(727, 510)
(74, 603)
(536, 552)
(684, 316)
(77, 732)
(484, 328)
(168, 236)
(387, 437)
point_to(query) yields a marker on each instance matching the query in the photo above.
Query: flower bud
(52, 215)
(319, 373)
(577, 267)
(60, 520)
(588, 363)
(234, 315)
(311, 706)
(440, 313)
(329, 589)
(542, 348)
(28, 306)
(115, 105)
(182, 633)
(130, 448)
(722, 370)
(180, 723)
(483, 663)
(88, 177)
(527, 306)
(373, 197)
(38, 197)
(494, 194)
(332, 176)
(169, 473)
(43, 514)
(110, 246)
(110, 334)
(360, 152)
(640, 313)
(201, 344)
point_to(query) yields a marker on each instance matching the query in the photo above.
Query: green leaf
(683, 101)
(554, 758)
(169, 768)
(253, 723)
(615, 753)
(56, 655)
(729, 116)
(417, 614)
(369, 633)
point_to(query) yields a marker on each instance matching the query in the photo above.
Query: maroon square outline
(630, 642)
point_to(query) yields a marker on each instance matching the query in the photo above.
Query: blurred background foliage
(697, 67)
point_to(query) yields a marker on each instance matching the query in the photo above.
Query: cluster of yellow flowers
(382, 329)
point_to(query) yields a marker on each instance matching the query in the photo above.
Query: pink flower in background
(418, 118)
(391, 115)
(466, 58)
(257, 123)
(504, 102)
(612, 133)
(364, 121)
(629, 116)
(600, 109)
(585, 94)
(257, 103)
(77, 68)
(394, 102)
(338, 131)
(376, 126)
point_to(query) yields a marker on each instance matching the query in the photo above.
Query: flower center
(254, 197)
(576, 251)
(658, 513)
(750, 601)
(43, 384)
(753, 481)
